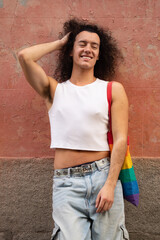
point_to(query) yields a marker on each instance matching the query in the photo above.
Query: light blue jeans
(74, 211)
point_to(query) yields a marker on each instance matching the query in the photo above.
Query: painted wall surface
(24, 123)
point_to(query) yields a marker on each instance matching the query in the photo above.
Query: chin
(86, 66)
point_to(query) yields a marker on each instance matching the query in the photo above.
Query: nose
(87, 48)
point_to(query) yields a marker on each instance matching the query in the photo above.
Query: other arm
(119, 113)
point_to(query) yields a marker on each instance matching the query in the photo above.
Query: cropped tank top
(79, 116)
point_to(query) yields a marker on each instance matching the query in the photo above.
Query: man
(87, 195)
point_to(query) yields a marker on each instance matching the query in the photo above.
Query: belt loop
(97, 164)
(102, 162)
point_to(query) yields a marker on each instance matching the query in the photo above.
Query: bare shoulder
(118, 92)
(119, 111)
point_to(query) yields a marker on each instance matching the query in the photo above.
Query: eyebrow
(84, 41)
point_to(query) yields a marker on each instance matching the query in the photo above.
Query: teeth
(86, 57)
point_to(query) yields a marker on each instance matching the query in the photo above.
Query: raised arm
(33, 72)
(119, 113)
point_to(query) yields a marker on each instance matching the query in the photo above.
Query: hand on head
(63, 40)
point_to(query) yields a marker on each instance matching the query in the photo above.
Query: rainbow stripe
(128, 180)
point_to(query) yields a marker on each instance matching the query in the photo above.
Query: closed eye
(94, 47)
(82, 44)
(93, 44)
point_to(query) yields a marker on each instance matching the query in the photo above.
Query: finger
(100, 206)
(67, 35)
(107, 206)
(98, 200)
(110, 205)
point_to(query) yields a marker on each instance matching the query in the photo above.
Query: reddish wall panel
(24, 124)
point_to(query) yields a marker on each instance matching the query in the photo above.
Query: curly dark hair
(109, 53)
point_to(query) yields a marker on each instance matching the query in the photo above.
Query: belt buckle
(86, 168)
(76, 170)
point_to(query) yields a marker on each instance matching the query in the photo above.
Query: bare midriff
(65, 158)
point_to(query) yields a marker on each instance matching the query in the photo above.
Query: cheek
(97, 55)
(76, 54)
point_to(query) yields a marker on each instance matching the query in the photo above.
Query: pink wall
(24, 124)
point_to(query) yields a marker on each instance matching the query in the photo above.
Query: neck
(82, 76)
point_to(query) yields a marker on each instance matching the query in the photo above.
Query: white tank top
(79, 116)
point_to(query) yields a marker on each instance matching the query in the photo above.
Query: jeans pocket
(55, 234)
(59, 183)
(124, 232)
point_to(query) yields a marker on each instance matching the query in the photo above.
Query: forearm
(116, 161)
(34, 53)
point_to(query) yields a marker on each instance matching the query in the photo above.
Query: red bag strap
(109, 98)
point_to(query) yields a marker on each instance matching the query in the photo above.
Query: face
(85, 51)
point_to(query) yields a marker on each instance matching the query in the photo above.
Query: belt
(82, 169)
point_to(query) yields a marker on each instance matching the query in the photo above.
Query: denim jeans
(74, 211)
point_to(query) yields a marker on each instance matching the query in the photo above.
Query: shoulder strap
(109, 98)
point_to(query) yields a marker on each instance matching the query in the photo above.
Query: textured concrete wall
(26, 200)
(24, 125)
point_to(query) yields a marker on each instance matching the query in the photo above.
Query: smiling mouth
(86, 57)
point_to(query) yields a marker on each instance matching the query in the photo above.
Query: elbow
(22, 56)
(121, 142)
